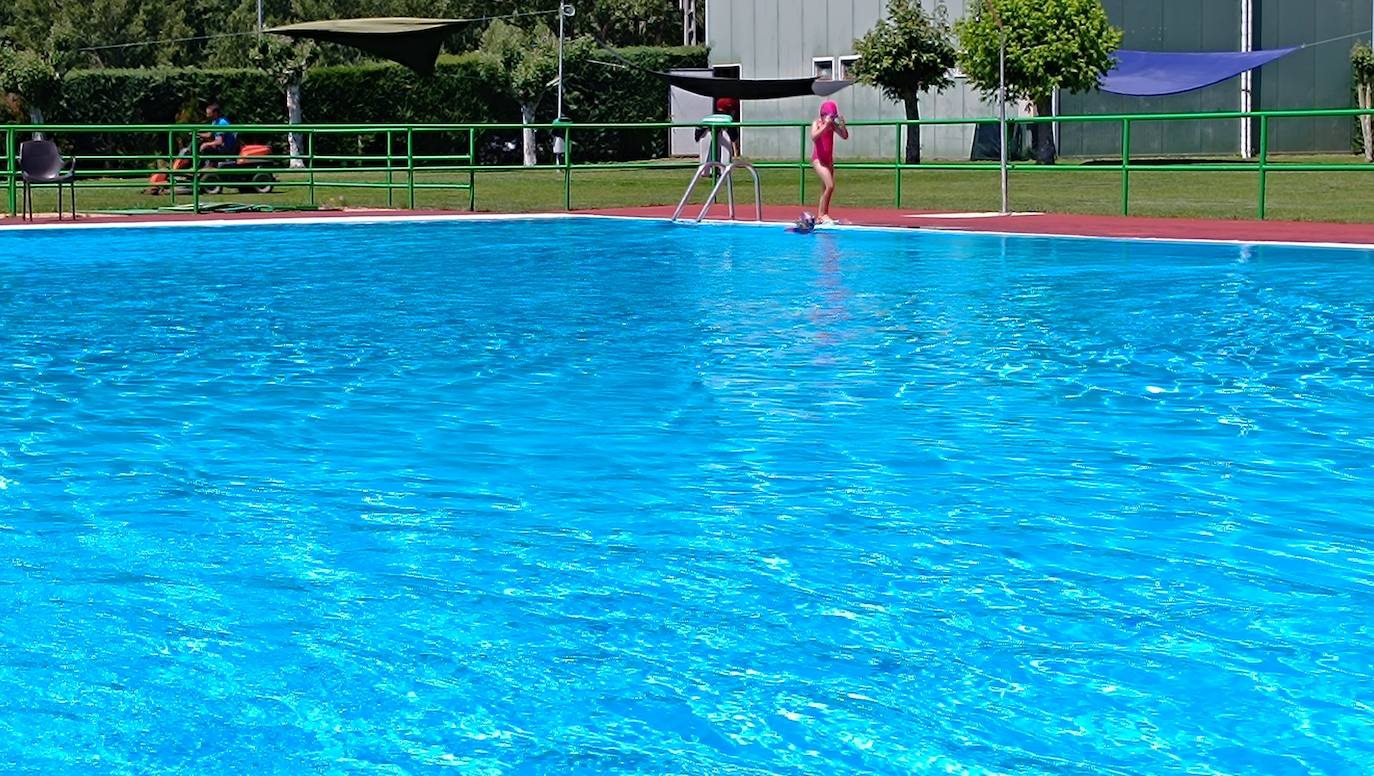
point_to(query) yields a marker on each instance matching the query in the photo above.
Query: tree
(904, 55)
(528, 62)
(1050, 44)
(30, 78)
(35, 76)
(1362, 62)
(632, 22)
(287, 62)
(146, 33)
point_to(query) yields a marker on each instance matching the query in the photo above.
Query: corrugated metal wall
(1163, 25)
(1316, 77)
(780, 38)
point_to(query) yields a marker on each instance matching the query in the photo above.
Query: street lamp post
(565, 11)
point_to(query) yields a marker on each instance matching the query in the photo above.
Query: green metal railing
(312, 169)
(454, 152)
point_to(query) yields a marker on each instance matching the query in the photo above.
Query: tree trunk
(36, 117)
(294, 140)
(527, 134)
(1365, 94)
(1042, 135)
(913, 133)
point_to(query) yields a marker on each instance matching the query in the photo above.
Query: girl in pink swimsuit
(823, 132)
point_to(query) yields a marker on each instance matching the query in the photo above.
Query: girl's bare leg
(827, 175)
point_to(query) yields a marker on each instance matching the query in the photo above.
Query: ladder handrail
(728, 176)
(726, 179)
(696, 176)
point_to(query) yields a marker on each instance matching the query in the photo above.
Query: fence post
(10, 166)
(897, 164)
(310, 164)
(410, 168)
(1263, 165)
(389, 164)
(171, 165)
(567, 165)
(1125, 167)
(472, 169)
(195, 173)
(802, 165)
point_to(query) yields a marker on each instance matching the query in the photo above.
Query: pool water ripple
(588, 496)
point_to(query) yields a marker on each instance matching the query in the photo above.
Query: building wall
(1163, 25)
(1316, 77)
(780, 39)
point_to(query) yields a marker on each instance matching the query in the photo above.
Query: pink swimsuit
(824, 150)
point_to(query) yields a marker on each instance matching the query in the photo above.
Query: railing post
(389, 163)
(310, 164)
(567, 168)
(11, 166)
(472, 169)
(802, 165)
(1125, 167)
(897, 163)
(1263, 165)
(410, 168)
(171, 164)
(195, 173)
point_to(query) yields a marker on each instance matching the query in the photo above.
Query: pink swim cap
(829, 108)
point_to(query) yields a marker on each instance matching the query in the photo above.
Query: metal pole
(260, 25)
(410, 168)
(897, 163)
(11, 167)
(1002, 119)
(564, 10)
(1125, 167)
(567, 168)
(1263, 166)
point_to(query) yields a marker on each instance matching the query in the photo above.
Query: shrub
(459, 92)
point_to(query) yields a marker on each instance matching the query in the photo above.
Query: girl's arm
(842, 130)
(817, 129)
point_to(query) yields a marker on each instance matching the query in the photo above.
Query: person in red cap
(823, 132)
(729, 106)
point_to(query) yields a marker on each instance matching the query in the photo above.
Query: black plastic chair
(41, 164)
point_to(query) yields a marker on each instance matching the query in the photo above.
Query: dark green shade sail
(410, 41)
(753, 88)
(415, 43)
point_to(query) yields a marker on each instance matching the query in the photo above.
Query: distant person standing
(729, 106)
(823, 132)
(720, 144)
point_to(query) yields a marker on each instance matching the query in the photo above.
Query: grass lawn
(1068, 188)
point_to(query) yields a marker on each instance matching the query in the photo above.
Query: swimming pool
(586, 495)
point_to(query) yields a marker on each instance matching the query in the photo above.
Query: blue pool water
(612, 496)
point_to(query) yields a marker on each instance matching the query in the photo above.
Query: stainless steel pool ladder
(727, 179)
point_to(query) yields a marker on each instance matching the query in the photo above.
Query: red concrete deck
(50, 219)
(1059, 224)
(1037, 224)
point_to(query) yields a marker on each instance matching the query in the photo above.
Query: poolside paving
(1052, 224)
(1021, 223)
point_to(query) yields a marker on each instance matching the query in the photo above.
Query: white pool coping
(365, 218)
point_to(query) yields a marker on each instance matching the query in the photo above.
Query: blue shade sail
(1156, 73)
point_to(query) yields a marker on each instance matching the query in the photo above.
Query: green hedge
(158, 96)
(462, 90)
